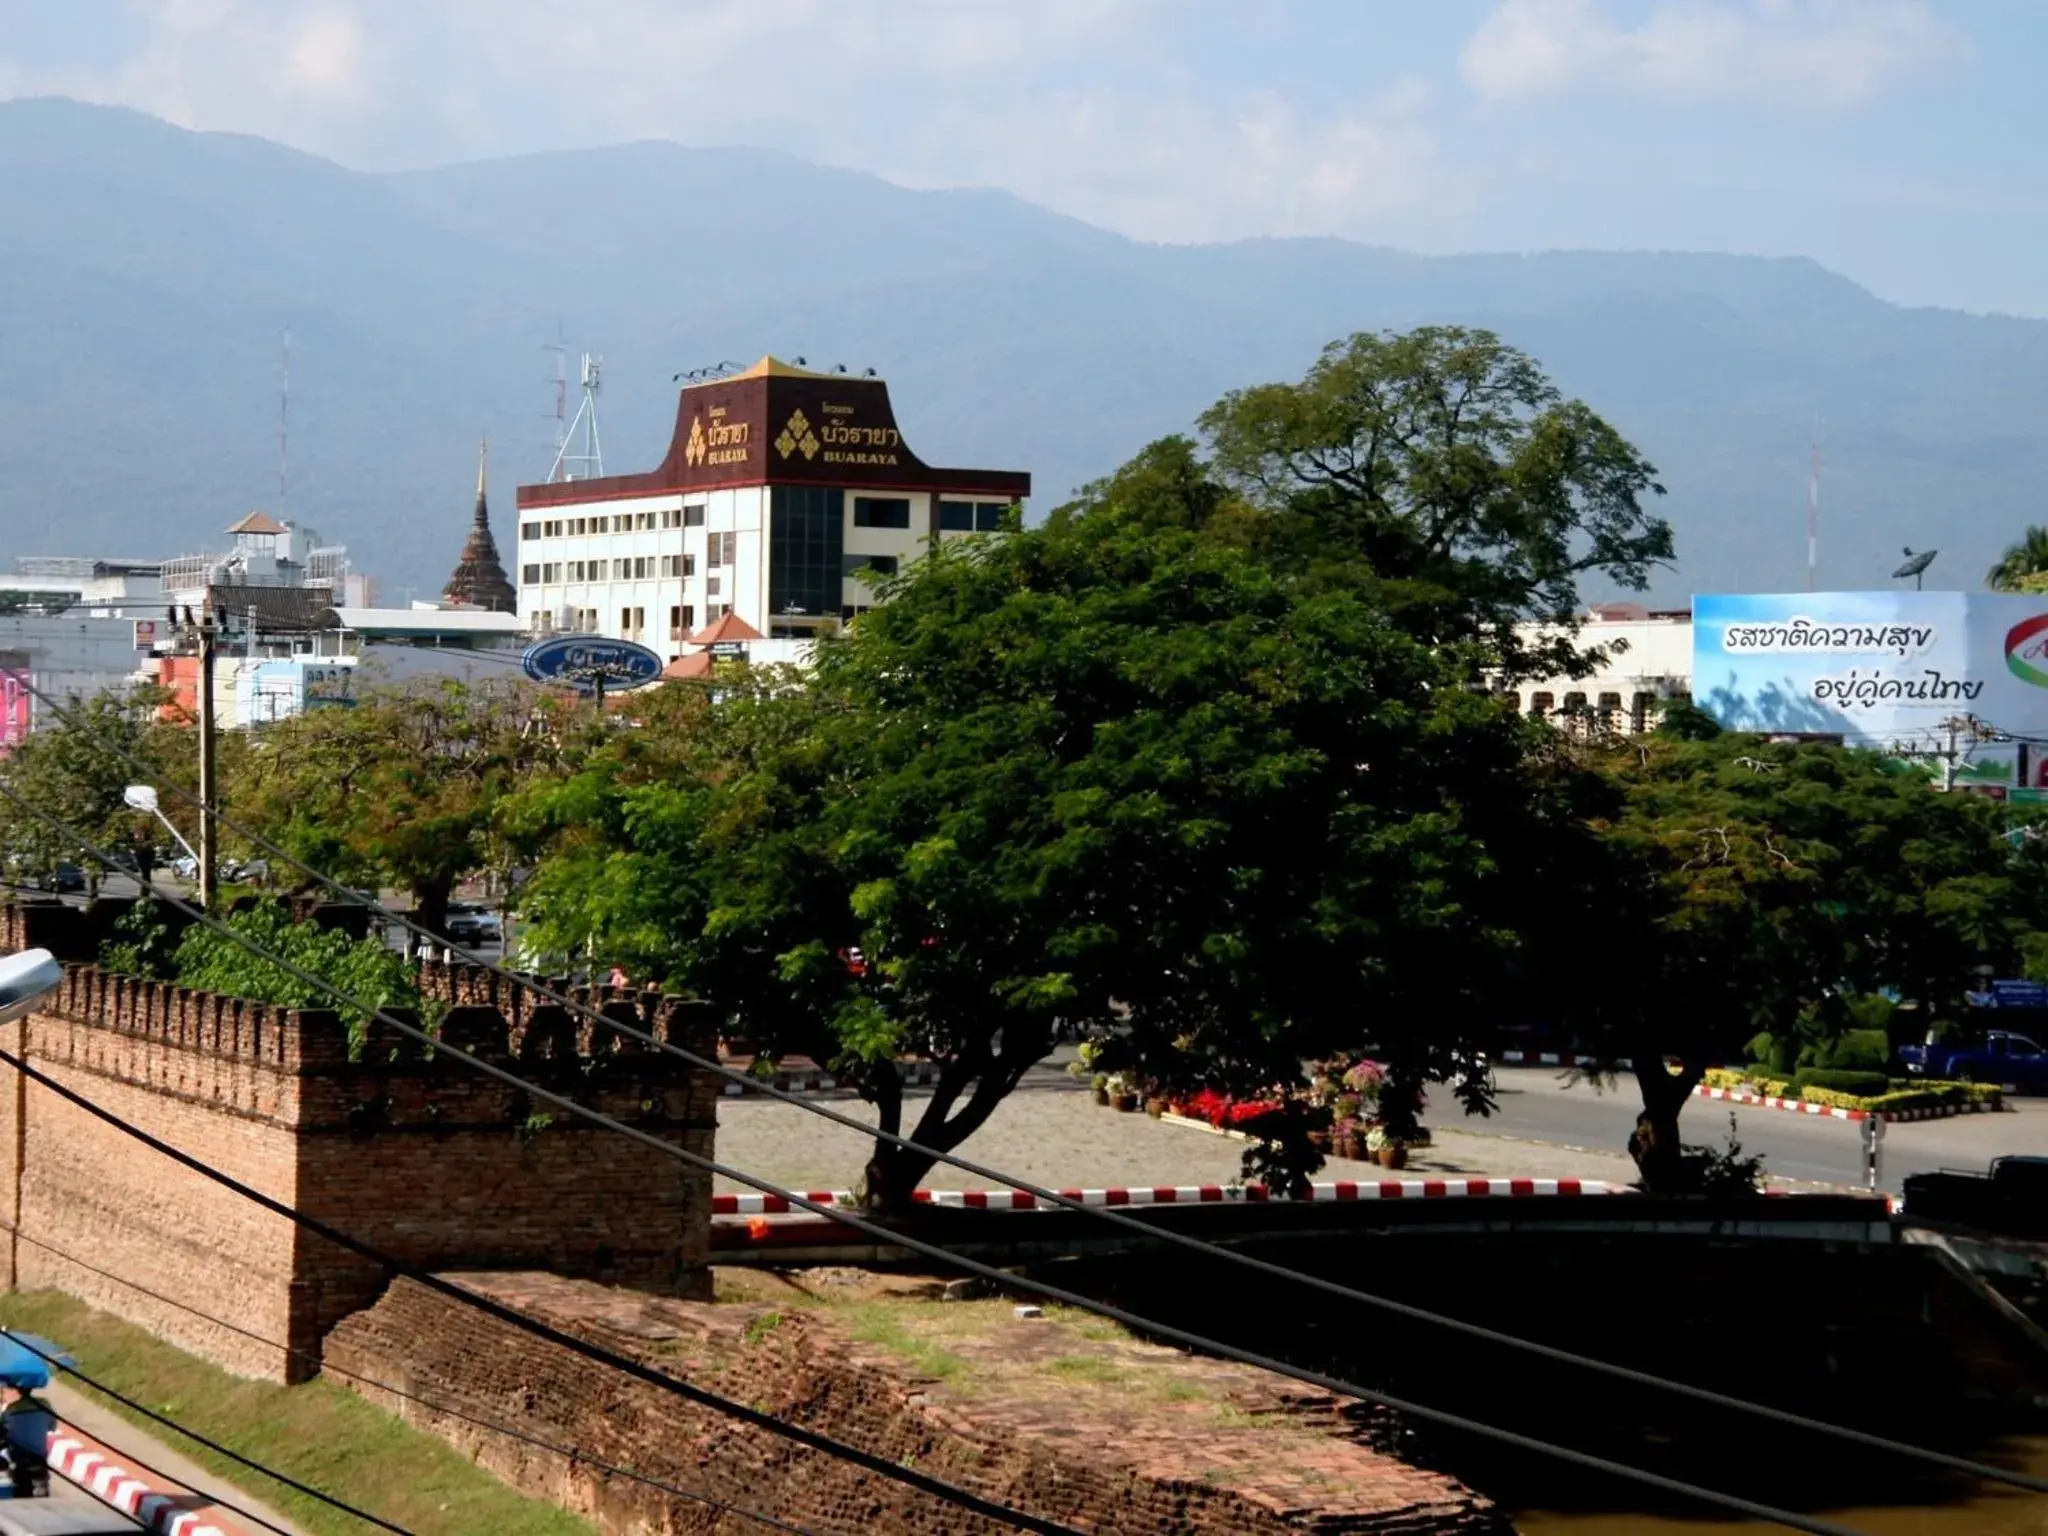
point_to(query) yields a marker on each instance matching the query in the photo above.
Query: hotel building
(779, 486)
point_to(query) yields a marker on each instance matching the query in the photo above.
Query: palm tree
(2028, 557)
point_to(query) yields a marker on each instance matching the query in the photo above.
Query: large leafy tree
(73, 768)
(1444, 468)
(1739, 886)
(402, 787)
(2024, 565)
(1111, 773)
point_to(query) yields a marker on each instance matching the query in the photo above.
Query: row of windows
(1604, 710)
(868, 512)
(616, 522)
(638, 568)
(971, 516)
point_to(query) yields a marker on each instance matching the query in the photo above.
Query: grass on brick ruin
(319, 1433)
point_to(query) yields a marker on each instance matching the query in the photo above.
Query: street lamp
(142, 797)
(24, 980)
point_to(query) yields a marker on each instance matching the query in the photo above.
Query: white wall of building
(639, 568)
(1649, 663)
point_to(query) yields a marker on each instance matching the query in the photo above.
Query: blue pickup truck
(2001, 1056)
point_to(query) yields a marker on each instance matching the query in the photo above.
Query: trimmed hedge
(1886, 1097)
(1863, 1084)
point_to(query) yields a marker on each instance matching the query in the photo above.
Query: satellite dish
(1915, 564)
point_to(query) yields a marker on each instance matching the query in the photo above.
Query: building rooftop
(420, 622)
(258, 522)
(726, 631)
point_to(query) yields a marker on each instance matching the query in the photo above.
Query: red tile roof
(259, 522)
(726, 630)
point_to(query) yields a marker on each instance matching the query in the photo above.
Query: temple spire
(479, 579)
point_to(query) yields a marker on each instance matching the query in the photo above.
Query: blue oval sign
(583, 661)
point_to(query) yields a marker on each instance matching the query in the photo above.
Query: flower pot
(1347, 1146)
(1127, 1103)
(1155, 1107)
(1101, 1095)
(1393, 1157)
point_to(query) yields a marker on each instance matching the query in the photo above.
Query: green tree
(1443, 468)
(2024, 565)
(1109, 774)
(403, 786)
(73, 770)
(1739, 886)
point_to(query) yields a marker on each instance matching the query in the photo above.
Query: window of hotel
(551, 573)
(989, 515)
(682, 618)
(971, 516)
(853, 565)
(711, 586)
(806, 549)
(693, 516)
(643, 520)
(529, 575)
(1541, 704)
(1608, 705)
(620, 569)
(586, 620)
(881, 512)
(716, 612)
(1639, 712)
(642, 567)
(721, 549)
(552, 529)
(529, 530)
(579, 525)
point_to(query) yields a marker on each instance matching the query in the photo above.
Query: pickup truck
(2001, 1057)
(2011, 1199)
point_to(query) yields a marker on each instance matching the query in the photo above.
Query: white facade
(655, 569)
(1649, 664)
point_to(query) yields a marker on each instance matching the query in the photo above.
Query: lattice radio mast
(587, 462)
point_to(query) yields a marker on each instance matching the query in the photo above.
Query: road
(1537, 1105)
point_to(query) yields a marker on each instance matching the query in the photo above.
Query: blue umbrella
(26, 1358)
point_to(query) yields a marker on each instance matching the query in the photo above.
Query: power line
(861, 1224)
(212, 1445)
(1182, 1240)
(326, 1366)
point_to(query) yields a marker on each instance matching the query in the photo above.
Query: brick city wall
(420, 1156)
(1098, 1468)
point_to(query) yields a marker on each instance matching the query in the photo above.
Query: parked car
(66, 880)
(2002, 1056)
(473, 927)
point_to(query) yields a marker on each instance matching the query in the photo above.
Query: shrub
(1866, 1084)
(1857, 1050)
(364, 969)
(142, 943)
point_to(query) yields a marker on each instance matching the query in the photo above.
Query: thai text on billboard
(1888, 669)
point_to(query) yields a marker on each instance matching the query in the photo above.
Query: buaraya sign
(1892, 669)
(588, 662)
(779, 425)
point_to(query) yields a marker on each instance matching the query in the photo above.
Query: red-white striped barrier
(1181, 1194)
(1890, 1116)
(156, 1506)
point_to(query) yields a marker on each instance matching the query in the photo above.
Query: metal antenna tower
(1813, 509)
(588, 462)
(284, 422)
(561, 383)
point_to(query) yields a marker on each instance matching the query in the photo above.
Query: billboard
(1879, 669)
(16, 708)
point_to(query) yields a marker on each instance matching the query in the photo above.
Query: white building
(779, 487)
(1649, 664)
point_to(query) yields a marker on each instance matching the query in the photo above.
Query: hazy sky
(1898, 141)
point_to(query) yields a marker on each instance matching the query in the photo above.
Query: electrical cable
(1167, 1235)
(327, 1367)
(212, 1445)
(874, 1230)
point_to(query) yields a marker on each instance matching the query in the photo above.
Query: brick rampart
(411, 1151)
(1165, 1465)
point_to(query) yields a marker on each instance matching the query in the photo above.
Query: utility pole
(208, 790)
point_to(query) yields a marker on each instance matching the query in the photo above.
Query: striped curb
(1182, 1194)
(1890, 1116)
(817, 1080)
(100, 1472)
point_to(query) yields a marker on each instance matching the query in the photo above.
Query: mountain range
(148, 276)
